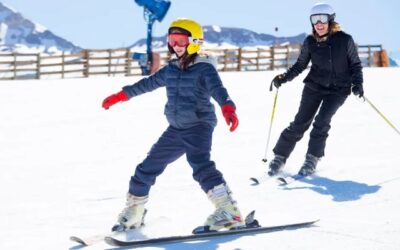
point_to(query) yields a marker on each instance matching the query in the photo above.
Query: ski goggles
(322, 18)
(182, 40)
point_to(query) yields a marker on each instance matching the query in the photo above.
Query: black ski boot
(309, 165)
(276, 165)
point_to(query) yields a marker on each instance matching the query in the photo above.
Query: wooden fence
(114, 62)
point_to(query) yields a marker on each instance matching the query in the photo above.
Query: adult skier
(191, 80)
(335, 71)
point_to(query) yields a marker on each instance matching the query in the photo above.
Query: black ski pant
(326, 104)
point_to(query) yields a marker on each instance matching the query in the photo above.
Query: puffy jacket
(335, 63)
(188, 92)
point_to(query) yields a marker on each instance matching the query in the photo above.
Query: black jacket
(335, 63)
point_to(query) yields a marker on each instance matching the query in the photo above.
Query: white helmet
(323, 8)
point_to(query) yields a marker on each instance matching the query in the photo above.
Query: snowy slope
(66, 164)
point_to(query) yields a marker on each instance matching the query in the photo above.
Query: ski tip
(310, 223)
(118, 228)
(281, 181)
(315, 221)
(111, 241)
(78, 240)
(254, 181)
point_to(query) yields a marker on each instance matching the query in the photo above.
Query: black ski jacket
(335, 63)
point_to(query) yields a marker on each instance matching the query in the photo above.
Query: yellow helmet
(195, 30)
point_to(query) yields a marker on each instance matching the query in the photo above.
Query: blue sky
(111, 24)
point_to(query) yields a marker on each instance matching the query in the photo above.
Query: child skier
(190, 79)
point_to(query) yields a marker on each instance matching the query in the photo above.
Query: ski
(265, 177)
(94, 239)
(286, 180)
(117, 230)
(250, 228)
(258, 180)
(98, 238)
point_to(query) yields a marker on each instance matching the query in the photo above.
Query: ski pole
(380, 113)
(270, 123)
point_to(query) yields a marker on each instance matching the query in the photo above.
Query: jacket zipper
(331, 62)
(176, 97)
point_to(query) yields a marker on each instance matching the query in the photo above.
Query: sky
(66, 163)
(112, 24)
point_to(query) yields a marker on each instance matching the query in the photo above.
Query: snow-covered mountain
(19, 34)
(394, 57)
(216, 36)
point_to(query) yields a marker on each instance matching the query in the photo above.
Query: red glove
(115, 98)
(230, 116)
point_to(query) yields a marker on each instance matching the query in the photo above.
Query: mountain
(216, 36)
(19, 34)
(394, 58)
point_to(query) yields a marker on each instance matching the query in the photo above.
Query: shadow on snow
(339, 190)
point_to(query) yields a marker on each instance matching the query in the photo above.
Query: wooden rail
(111, 62)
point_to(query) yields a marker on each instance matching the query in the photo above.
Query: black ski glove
(358, 90)
(279, 80)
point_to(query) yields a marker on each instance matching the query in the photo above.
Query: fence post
(15, 66)
(38, 63)
(369, 56)
(86, 63)
(239, 63)
(62, 65)
(127, 62)
(272, 57)
(109, 62)
(287, 56)
(225, 59)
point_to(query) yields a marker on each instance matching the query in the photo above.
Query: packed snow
(66, 164)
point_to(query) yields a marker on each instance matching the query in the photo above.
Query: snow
(3, 32)
(40, 28)
(223, 45)
(8, 7)
(395, 56)
(66, 164)
(216, 28)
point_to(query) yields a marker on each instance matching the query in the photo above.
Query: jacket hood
(200, 58)
(335, 27)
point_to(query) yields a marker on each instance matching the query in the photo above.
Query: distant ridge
(18, 34)
(216, 36)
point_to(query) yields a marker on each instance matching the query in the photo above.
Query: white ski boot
(226, 215)
(132, 216)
